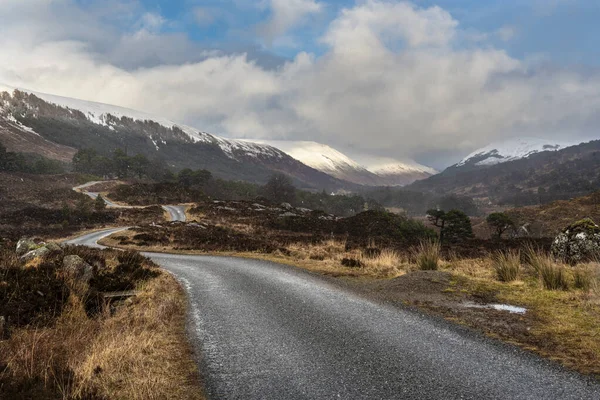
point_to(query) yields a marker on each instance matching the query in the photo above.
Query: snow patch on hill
(316, 155)
(390, 166)
(378, 171)
(512, 149)
(97, 113)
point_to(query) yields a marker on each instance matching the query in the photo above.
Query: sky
(427, 80)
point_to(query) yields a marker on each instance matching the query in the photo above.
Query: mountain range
(510, 150)
(517, 171)
(38, 122)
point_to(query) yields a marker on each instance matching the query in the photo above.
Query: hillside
(549, 219)
(537, 179)
(56, 127)
(379, 172)
(511, 150)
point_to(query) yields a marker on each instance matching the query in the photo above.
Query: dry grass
(428, 255)
(139, 352)
(328, 255)
(564, 324)
(554, 276)
(507, 265)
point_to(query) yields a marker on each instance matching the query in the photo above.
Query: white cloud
(287, 14)
(391, 81)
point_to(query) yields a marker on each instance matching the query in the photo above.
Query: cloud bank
(393, 79)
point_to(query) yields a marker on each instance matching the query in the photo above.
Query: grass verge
(133, 349)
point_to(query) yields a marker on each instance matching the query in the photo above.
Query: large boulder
(76, 269)
(579, 242)
(25, 245)
(33, 254)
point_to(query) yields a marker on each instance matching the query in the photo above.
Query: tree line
(28, 163)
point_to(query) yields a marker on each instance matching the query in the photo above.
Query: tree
(99, 203)
(139, 165)
(121, 163)
(500, 222)
(186, 177)
(83, 160)
(437, 218)
(455, 225)
(458, 226)
(280, 189)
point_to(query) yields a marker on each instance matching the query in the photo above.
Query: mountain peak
(510, 150)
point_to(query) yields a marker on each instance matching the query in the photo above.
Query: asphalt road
(177, 213)
(268, 331)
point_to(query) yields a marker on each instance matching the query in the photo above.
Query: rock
(579, 242)
(288, 214)
(33, 254)
(77, 269)
(25, 245)
(54, 247)
(286, 206)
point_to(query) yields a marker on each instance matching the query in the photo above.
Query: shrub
(428, 255)
(507, 265)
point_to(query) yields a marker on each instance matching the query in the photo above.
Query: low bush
(507, 265)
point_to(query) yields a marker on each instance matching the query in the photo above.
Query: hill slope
(54, 125)
(379, 172)
(511, 150)
(539, 178)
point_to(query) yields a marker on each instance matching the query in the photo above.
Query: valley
(398, 238)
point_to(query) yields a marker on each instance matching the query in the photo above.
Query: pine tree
(99, 204)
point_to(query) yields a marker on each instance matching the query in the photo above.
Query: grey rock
(25, 245)
(55, 247)
(33, 254)
(286, 206)
(579, 242)
(288, 214)
(77, 269)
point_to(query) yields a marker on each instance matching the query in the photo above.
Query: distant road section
(94, 195)
(176, 213)
(270, 331)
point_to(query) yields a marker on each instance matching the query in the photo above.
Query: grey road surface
(177, 213)
(94, 195)
(268, 331)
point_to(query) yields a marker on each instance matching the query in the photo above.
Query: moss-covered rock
(579, 242)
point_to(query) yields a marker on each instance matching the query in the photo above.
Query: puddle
(500, 307)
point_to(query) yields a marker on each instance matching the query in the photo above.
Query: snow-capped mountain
(108, 115)
(510, 150)
(394, 173)
(309, 162)
(378, 172)
(34, 122)
(325, 159)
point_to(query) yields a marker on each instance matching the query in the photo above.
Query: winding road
(176, 212)
(269, 331)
